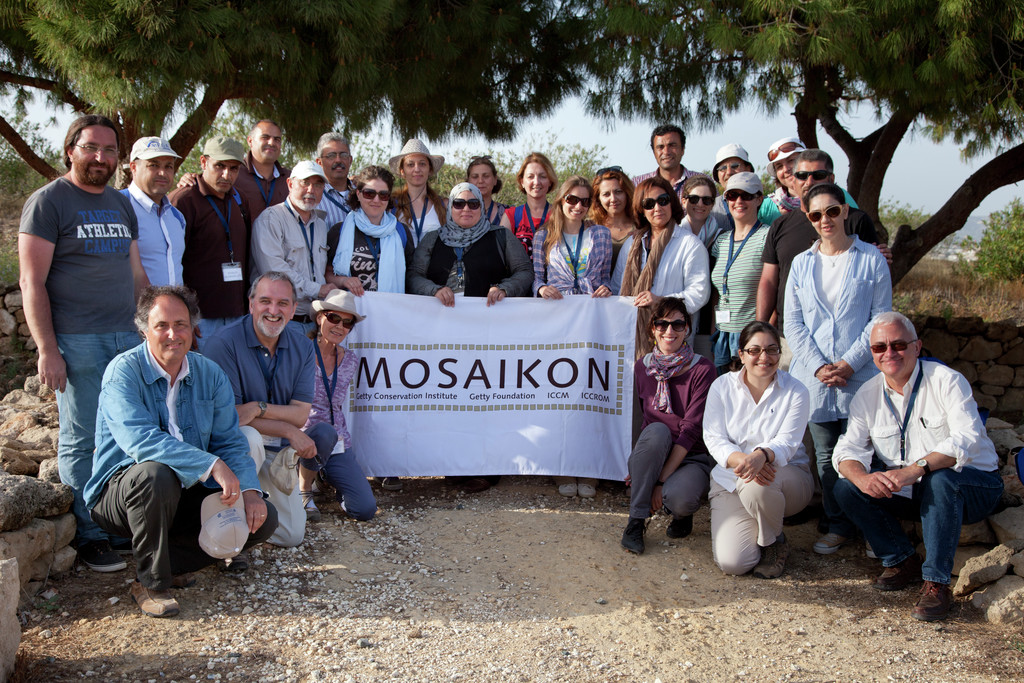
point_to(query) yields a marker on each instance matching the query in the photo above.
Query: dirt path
(514, 584)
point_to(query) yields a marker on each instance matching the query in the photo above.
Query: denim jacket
(819, 336)
(131, 423)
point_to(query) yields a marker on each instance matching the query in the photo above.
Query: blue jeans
(86, 357)
(342, 471)
(825, 436)
(943, 501)
(210, 326)
(726, 345)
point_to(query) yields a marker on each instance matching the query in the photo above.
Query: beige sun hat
(415, 146)
(338, 300)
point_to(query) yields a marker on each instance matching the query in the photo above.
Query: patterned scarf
(784, 200)
(665, 366)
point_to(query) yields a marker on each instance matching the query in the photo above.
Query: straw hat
(415, 146)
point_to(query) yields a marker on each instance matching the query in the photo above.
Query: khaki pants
(749, 518)
(291, 528)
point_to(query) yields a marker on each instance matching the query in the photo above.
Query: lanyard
(307, 239)
(489, 210)
(423, 217)
(732, 257)
(910, 409)
(374, 249)
(574, 260)
(266, 197)
(329, 387)
(268, 373)
(334, 201)
(226, 222)
(459, 251)
(529, 216)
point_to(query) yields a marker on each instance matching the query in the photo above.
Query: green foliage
(893, 213)
(17, 179)
(1000, 252)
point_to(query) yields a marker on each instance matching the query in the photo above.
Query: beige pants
(749, 518)
(291, 516)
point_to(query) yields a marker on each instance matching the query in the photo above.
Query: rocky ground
(514, 584)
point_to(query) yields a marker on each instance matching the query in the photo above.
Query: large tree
(950, 68)
(433, 67)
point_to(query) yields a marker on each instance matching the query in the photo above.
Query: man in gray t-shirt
(80, 275)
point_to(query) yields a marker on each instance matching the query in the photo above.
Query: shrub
(1000, 252)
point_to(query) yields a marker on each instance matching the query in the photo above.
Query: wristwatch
(263, 408)
(923, 464)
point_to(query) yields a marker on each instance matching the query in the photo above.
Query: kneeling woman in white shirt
(754, 425)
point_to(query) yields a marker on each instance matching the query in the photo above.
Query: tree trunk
(23, 149)
(910, 246)
(197, 123)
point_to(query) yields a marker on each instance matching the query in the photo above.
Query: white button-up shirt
(734, 422)
(944, 420)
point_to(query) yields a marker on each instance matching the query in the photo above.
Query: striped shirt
(335, 204)
(678, 187)
(744, 276)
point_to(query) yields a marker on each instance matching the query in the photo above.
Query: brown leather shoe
(902, 575)
(933, 605)
(183, 580)
(154, 603)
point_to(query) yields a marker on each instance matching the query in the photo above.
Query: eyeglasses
(383, 195)
(661, 200)
(331, 156)
(817, 175)
(662, 325)
(607, 169)
(786, 147)
(898, 346)
(93, 150)
(474, 160)
(732, 166)
(335, 318)
(460, 204)
(700, 199)
(832, 212)
(733, 195)
(756, 351)
(573, 200)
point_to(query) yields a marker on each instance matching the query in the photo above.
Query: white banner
(527, 386)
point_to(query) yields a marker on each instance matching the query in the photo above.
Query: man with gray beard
(291, 238)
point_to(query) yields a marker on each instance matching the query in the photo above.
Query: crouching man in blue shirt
(167, 436)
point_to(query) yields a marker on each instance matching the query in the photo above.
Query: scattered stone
(364, 642)
(32, 545)
(23, 498)
(10, 627)
(983, 569)
(601, 601)
(49, 472)
(17, 462)
(1017, 564)
(113, 600)
(1002, 601)
(1005, 440)
(1008, 525)
(977, 534)
(414, 633)
(46, 634)
(964, 553)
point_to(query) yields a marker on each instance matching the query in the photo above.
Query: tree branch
(192, 128)
(885, 143)
(59, 89)
(23, 149)
(909, 246)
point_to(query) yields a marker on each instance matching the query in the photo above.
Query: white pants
(291, 516)
(747, 519)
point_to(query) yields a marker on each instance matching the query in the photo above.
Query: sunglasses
(699, 199)
(662, 325)
(732, 166)
(773, 154)
(607, 169)
(336, 318)
(383, 195)
(899, 346)
(832, 212)
(573, 200)
(756, 351)
(662, 200)
(817, 175)
(473, 204)
(733, 195)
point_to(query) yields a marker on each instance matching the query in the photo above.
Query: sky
(923, 174)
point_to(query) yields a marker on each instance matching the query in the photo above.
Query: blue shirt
(161, 236)
(335, 204)
(289, 371)
(132, 423)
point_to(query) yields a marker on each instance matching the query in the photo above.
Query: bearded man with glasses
(914, 448)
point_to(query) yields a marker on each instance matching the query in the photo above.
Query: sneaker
(100, 557)
(586, 488)
(829, 543)
(902, 575)
(869, 552)
(121, 546)
(680, 527)
(633, 536)
(773, 559)
(312, 513)
(391, 483)
(237, 564)
(933, 605)
(154, 603)
(566, 486)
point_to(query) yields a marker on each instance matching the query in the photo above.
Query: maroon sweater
(687, 394)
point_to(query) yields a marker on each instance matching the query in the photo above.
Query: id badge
(273, 442)
(722, 315)
(232, 272)
(338, 447)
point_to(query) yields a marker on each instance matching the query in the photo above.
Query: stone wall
(13, 328)
(990, 355)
